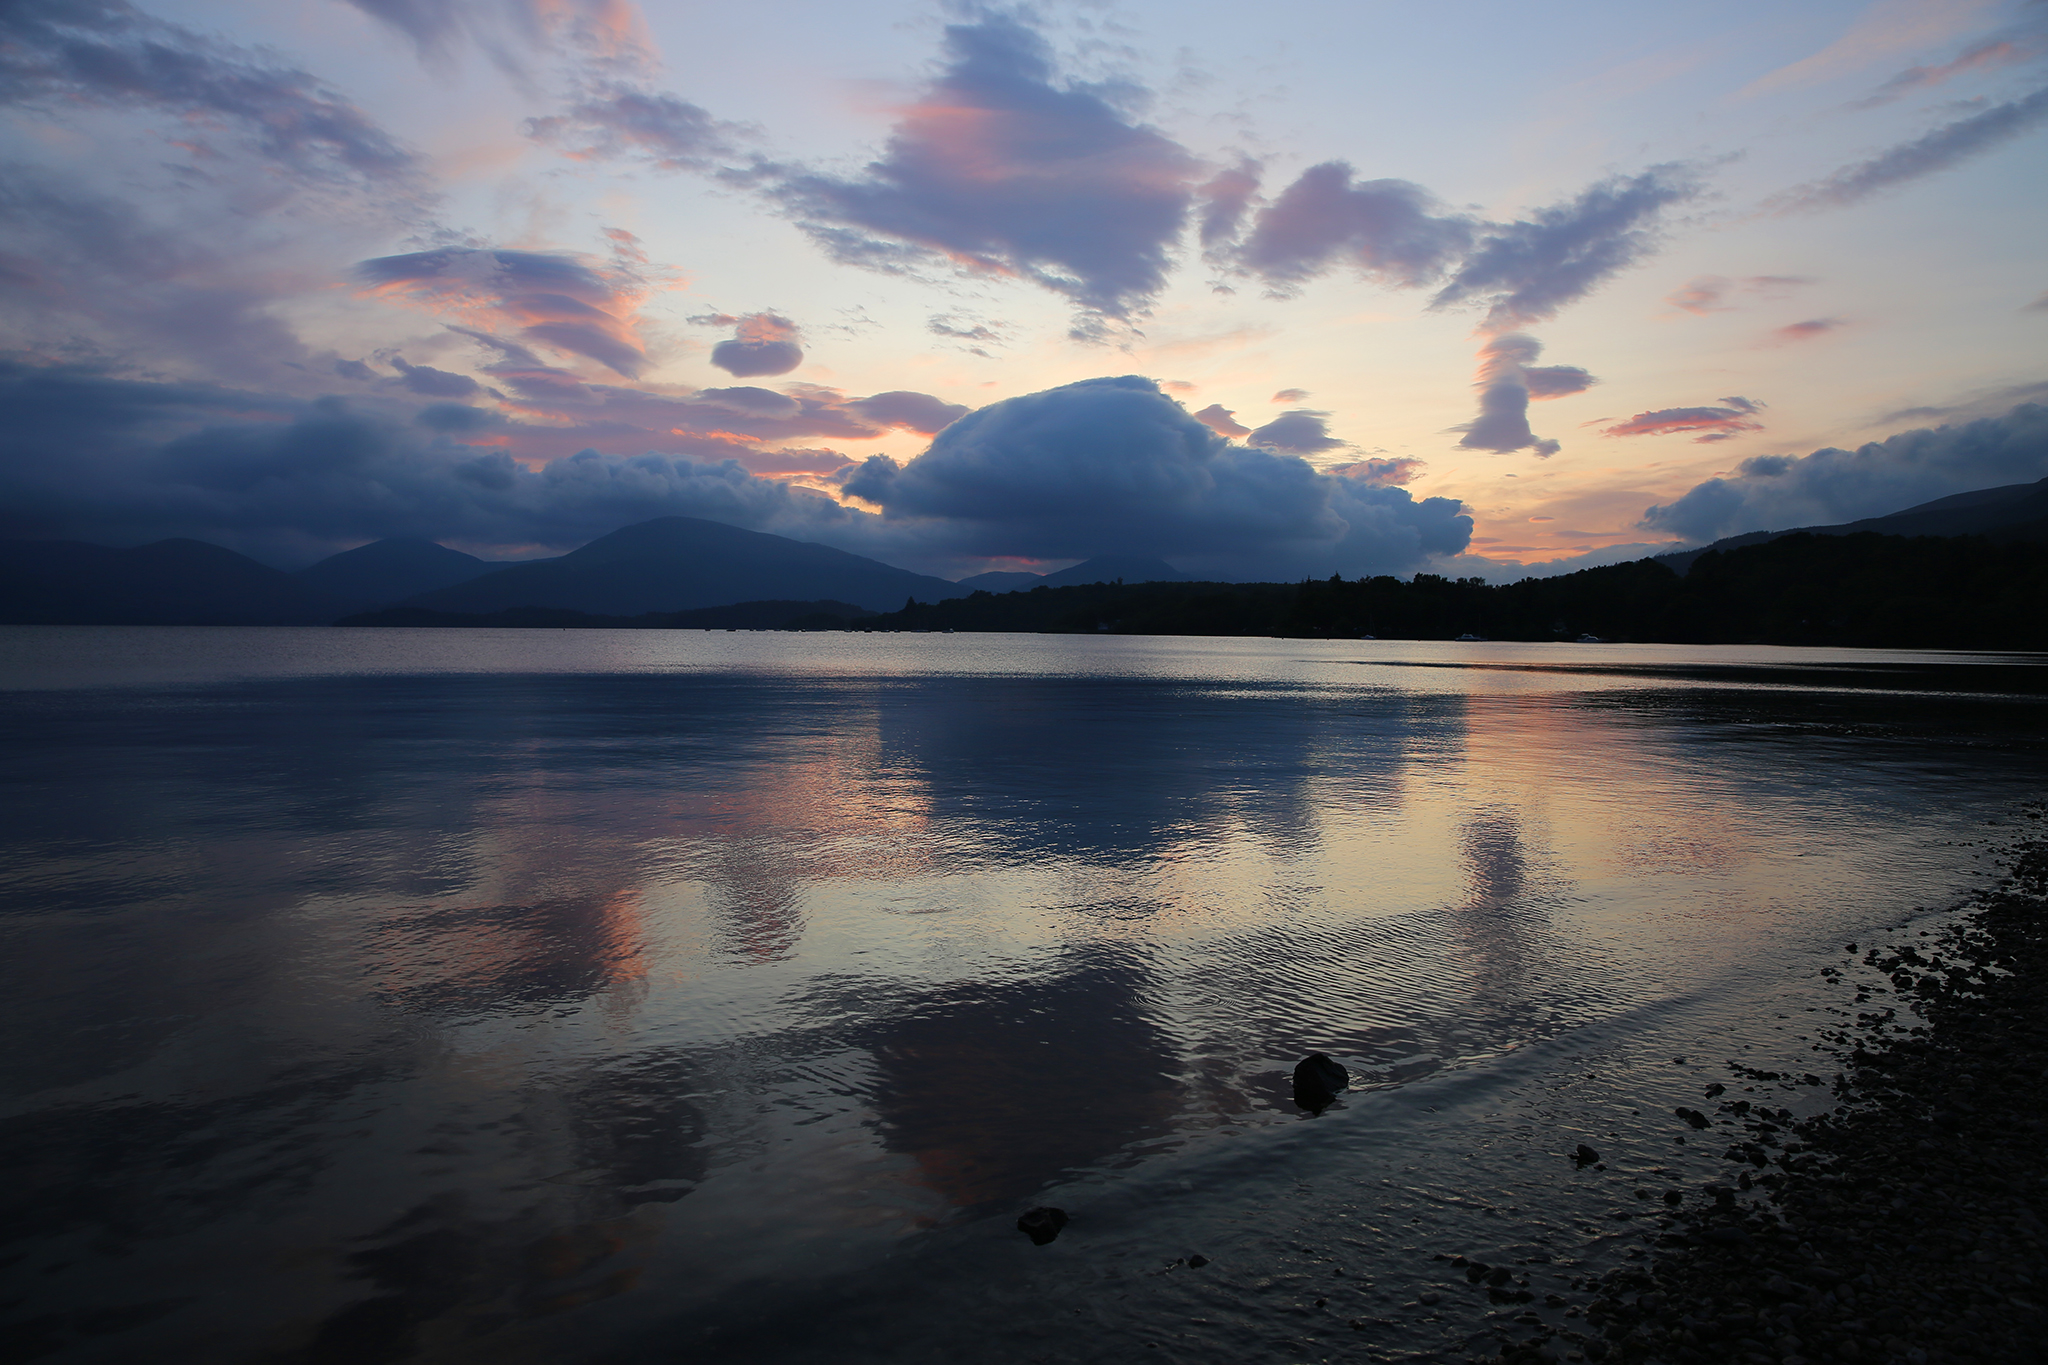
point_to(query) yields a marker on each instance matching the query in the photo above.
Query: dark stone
(1585, 1156)
(1196, 1262)
(1041, 1225)
(1692, 1116)
(1317, 1080)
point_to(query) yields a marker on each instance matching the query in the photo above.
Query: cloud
(1225, 199)
(766, 343)
(1223, 421)
(1806, 331)
(58, 54)
(604, 32)
(999, 169)
(1400, 469)
(1298, 431)
(86, 454)
(2039, 305)
(1716, 424)
(1114, 465)
(614, 120)
(1289, 396)
(1508, 380)
(919, 412)
(1989, 55)
(1828, 487)
(1991, 402)
(1387, 229)
(1936, 151)
(1104, 465)
(957, 328)
(1525, 271)
(1709, 293)
(95, 274)
(553, 299)
(429, 382)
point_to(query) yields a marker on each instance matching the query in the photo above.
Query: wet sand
(1904, 1224)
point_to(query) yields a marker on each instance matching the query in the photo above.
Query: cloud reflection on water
(486, 999)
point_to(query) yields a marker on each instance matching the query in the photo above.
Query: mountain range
(2013, 512)
(668, 565)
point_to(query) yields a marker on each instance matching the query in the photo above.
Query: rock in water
(1041, 1225)
(1585, 1156)
(1317, 1080)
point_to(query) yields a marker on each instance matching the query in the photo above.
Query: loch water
(633, 996)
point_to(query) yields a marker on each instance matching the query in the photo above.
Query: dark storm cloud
(1387, 229)
(552, 298)
(1115, 466)
(765, 343)
(1714, 423)
(1828, 487)
(1299, 431)
(1508, 379)
(1107, 465)
(88, 455)
(1527, 270)
(57, 53)
(1936, 151)
(999, 167)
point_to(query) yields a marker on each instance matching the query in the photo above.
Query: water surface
(452, 995)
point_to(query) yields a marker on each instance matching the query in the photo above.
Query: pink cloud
(1290, 395)
(553, 299)
(1710, 293)
(1714, 423)
(1806, 331)
(1223, 421)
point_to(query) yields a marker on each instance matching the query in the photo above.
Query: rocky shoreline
(1904, 1224)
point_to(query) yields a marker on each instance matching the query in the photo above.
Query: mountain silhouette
(170, 583)
(1110, 568)
(2012, 512)
(680, 563)
(998, 580)
(392, 570)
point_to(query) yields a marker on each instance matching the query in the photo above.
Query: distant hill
(1921, 592)
(997, 580)
(2014, 512)
(173, 582)
(678, 563)
(386, 571)
(822, 615)
(1110, 568)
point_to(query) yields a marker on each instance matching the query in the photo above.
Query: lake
(561, 996)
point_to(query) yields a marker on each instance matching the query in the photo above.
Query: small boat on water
(1590, 639)
(1469, 638)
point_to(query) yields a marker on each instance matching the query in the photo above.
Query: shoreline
(1904, 1224)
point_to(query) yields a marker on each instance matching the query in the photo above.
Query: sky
(1266, 291)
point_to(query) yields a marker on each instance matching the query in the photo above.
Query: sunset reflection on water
(388, 1012)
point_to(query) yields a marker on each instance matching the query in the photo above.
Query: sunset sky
(508, 274)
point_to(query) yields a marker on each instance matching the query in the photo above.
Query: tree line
(1924, 592)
